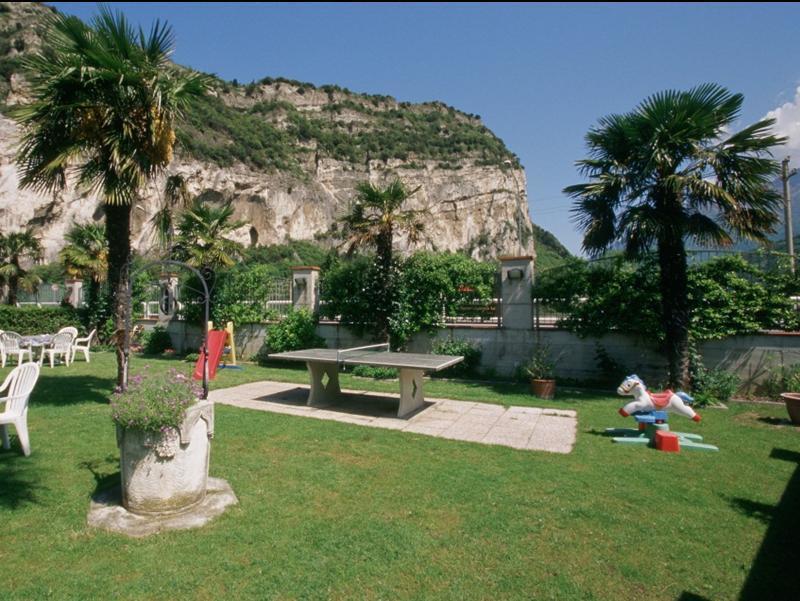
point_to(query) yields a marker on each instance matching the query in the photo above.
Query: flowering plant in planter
(163, 433)
(154, 404)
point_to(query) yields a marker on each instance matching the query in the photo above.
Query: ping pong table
(323, 367)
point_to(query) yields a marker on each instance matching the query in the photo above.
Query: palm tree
(176, 198)
(202, 240)
(15, 249)
(373, 220)
(106, 99)
(86, 256)
(670, 170)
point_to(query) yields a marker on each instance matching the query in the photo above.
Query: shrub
(154, 404)
(296, 331)
(541, 365)
(714, 386)
(785, 378)
(469, 350)
(376, 372)
(37, 320)
(191, 357)
(156, 341)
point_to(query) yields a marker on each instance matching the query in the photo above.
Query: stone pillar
(73, 292)
(167, 296)
(305, 288)
(516, 279)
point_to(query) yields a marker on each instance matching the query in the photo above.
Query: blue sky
(539, 75)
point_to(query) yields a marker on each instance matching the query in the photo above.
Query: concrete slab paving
(524, 428)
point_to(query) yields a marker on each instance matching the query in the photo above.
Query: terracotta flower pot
(544, 389)
(792, 400)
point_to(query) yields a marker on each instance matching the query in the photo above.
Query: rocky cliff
(289, 155)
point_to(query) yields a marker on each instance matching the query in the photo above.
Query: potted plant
(790, 378)
(540, 369)
(163, 433)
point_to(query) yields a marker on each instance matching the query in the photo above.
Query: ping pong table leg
(411, 397)
(323, 392)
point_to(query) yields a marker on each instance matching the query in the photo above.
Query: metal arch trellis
(206, 295)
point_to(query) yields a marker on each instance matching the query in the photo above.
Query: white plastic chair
(72, 330)
(61, 345)
(10, 342)
(2, 350)
(20, 383)
(82, 344)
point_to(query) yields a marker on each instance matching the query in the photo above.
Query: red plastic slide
(216, 343)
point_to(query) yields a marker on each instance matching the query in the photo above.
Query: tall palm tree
(106, 99)
(86, 256)
(670, 170)
(376, 215)
(15, 249)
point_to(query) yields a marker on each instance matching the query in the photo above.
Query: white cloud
(787, 122)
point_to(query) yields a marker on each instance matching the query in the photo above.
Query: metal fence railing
(545, 315)
(45, 294)
(476, 311)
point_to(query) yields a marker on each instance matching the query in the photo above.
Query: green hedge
(38, 320)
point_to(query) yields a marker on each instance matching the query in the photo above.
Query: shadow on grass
(18, 480)
(103, 478)
(773, 572)
(67, 389)
(776, 421)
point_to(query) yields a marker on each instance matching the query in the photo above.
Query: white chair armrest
(77, 340)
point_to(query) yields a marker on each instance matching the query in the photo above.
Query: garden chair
(82, 344)
(20, 383)
(2, 350)
(61, 345)
(10, 342)
(70, 330)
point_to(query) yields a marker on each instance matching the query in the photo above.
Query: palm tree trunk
(675, 307)
(13, 287)
(118, 222)
(385, 284)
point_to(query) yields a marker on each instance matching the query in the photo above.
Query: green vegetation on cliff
(277, 134)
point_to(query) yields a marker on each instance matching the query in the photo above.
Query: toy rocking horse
(644, 400)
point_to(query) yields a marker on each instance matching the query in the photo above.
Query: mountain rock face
(289, 155)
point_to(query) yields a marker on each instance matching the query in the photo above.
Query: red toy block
(667, 442)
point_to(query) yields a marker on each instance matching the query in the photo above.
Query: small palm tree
(176, 199)
(202, 240)
(86, 256)
(15, 249)
(670, 170)
(375, 217)
(106, 99)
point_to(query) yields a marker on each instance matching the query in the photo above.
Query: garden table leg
(411, 397)
(324, 383)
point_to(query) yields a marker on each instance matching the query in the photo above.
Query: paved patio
(526, 428)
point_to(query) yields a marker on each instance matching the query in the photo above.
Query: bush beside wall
(37, 320)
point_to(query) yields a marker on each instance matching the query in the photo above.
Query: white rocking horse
(643, 400)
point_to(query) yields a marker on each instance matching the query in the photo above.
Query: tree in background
(105, 102)
(15, 249)
(667, 171)
(374, 218)
(86, 256)
(202, 240)
(176, 199)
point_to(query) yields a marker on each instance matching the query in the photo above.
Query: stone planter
(544, 389)
(792, 400)
(167, 472)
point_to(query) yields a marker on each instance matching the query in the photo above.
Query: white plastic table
(41, 341)
(323, 367)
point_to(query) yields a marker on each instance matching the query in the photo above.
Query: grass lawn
(331, 510)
